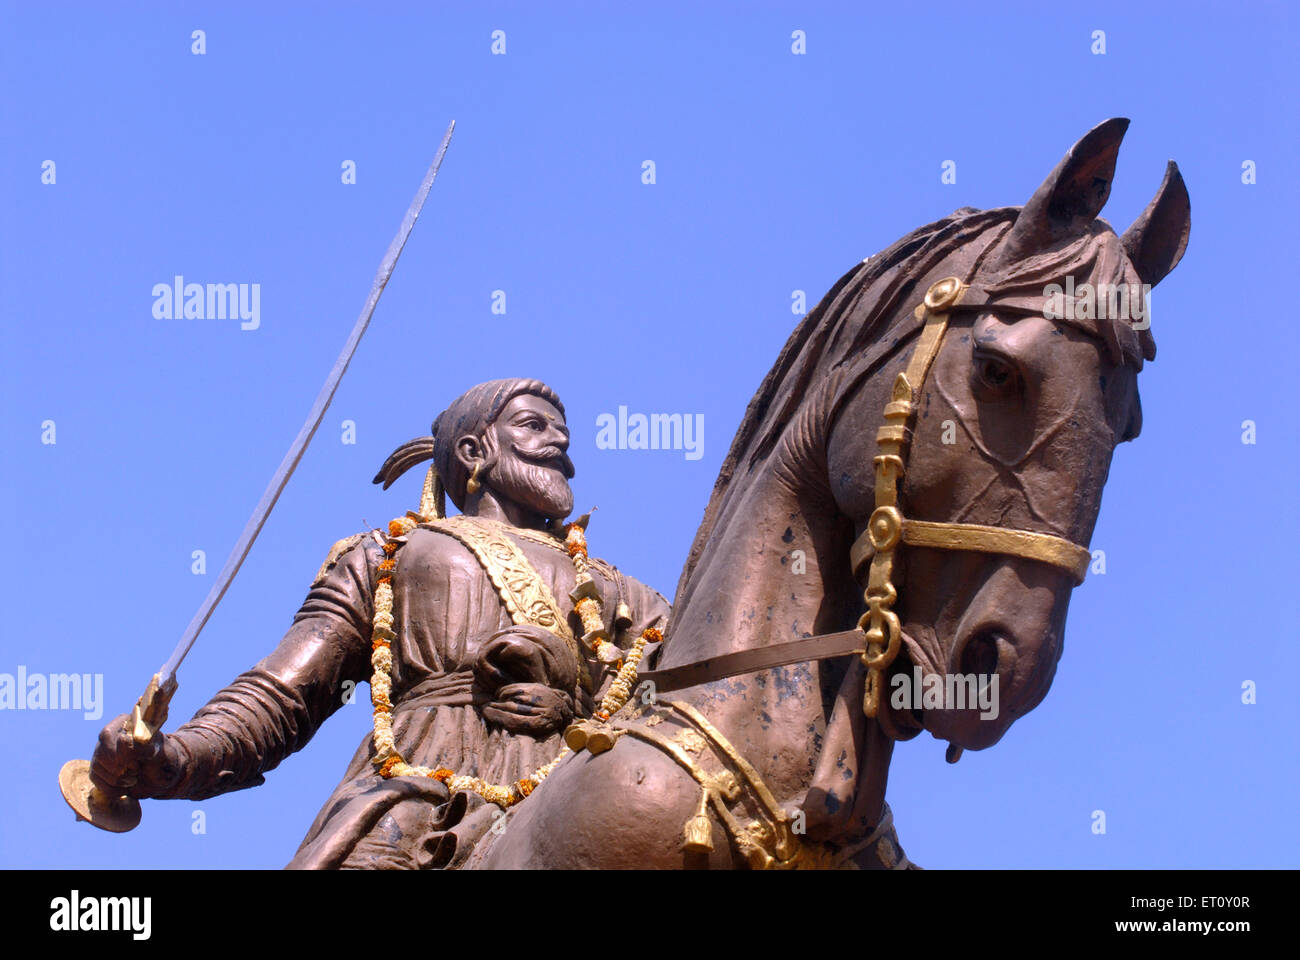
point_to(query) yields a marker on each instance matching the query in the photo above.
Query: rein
(878, 635)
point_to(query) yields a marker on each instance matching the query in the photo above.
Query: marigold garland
(390, 763)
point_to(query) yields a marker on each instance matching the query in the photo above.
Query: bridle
(878, 636)
(887, 527)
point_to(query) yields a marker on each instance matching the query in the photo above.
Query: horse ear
(1156, 240)
(1072, 195)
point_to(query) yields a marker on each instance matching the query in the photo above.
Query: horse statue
(925, 459)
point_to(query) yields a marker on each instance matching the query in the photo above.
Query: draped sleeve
(275, 708)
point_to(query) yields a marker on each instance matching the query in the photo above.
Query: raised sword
(107, 807)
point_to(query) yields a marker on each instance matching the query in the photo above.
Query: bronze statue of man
(486, 672)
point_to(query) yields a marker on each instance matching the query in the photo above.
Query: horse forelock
(1097, 258)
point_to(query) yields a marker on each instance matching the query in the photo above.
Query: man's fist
(139, 770)
(530, 675)
(526, 653)
(531, 708)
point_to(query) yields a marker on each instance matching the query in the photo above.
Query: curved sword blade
(314, 418)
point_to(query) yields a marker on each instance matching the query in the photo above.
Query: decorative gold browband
(887, 527)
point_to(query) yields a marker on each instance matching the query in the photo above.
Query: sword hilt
(150, 711)
(98, 803)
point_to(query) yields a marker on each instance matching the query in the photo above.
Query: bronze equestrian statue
(911, 493)
(932, 443)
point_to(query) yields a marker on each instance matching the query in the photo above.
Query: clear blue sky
(775, 173)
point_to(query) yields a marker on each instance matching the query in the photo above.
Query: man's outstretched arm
(268, 712)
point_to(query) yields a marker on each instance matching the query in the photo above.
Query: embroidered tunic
(445, 607)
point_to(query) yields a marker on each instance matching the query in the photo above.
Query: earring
(473, 485)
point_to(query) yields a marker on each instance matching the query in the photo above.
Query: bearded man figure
(487, 665)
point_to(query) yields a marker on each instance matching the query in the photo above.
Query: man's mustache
(552, 457)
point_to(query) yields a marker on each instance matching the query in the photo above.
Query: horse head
(1020, 410)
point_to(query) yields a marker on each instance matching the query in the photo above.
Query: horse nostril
(980, 655)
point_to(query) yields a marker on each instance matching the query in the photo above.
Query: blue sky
(774, 172)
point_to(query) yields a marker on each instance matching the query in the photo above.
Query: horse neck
(777, 565)
(776, 568)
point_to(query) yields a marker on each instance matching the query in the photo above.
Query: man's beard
(540, 487)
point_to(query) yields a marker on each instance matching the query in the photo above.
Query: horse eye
(995, 377)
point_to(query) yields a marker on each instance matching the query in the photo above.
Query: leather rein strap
(878, 636)
(823, 647)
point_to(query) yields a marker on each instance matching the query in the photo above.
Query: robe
(445, 608)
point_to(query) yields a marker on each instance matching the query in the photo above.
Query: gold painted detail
(340, 547)
(1043, 547)
(690, 741)
(884, 633)
(697, 835)
(768, 842)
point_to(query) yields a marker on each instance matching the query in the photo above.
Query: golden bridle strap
(887, 527)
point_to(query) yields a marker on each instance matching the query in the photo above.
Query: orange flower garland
(586, 598)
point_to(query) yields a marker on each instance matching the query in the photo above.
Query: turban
(469, 414)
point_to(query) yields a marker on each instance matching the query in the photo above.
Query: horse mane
(853, 314)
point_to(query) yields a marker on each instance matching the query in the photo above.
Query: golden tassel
(698, 834)
(433, 499)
